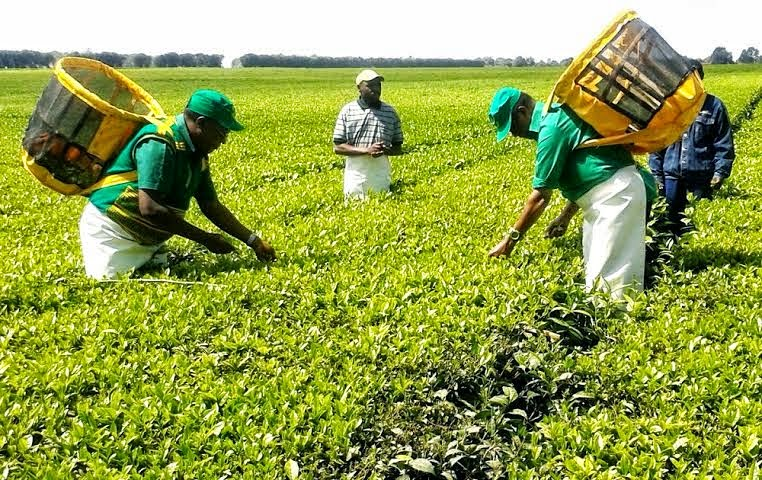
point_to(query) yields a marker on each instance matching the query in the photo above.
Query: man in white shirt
(367, 132)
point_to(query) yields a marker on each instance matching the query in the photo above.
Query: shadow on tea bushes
(478, 405)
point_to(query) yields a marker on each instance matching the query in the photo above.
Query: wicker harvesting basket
(85, 115)
(632, 87)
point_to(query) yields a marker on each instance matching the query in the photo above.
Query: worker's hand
(505, 247)
(376, 150)
(216, 243)
(262, 249)
(557, 227)
(716, 182)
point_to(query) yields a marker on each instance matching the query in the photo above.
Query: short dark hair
(524, 100)
(696, 65)
(191, 114)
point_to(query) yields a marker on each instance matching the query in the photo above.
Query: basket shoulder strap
(111, 180)
(168, 139)
(132, 175)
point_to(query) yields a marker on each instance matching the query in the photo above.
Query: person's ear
(521, 110)
(197, 125)
(201, 123)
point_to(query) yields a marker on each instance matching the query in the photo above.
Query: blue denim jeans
(676, 191)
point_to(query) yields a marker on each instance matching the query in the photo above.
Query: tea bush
(382, 343)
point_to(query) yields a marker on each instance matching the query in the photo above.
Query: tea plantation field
(382, 343)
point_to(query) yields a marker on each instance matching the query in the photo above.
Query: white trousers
(613, 233)
(107, 249)
(364, 174)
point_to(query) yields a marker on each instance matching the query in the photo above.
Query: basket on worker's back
(632, 87)
(84, 117)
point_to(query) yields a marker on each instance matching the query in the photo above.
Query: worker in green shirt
(604, 182)
(124, 226)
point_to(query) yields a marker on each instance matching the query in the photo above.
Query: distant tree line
(314, 61)
(721, 55)
(35, 59)
(25, 59)
(525, 62)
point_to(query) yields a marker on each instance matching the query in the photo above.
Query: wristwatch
(252, 238)
(514, 234)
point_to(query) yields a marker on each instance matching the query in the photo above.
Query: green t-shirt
(559, 165)
(170, 166)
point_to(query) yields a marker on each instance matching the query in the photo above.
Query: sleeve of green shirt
(554, 145)
(155, 164)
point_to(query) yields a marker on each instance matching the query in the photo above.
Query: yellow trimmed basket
(632, 87)
(86, 114)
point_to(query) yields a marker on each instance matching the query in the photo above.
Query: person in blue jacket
(699, 162)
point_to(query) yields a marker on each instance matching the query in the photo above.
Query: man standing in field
(699, 162)
(123, 226)
(603, 182)
(367, 132)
